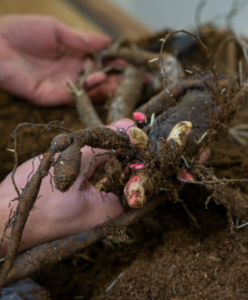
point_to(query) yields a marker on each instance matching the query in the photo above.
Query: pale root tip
(138, 137)
(140, 117)
(177, 130)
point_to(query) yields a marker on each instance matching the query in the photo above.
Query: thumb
(101, 207)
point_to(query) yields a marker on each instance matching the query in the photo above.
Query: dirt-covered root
(31, 261)
(128, 94)
(26, 203)
(67, 167)
(149, 166)
(86, 111)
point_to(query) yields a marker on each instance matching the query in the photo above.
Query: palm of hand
(38, 54)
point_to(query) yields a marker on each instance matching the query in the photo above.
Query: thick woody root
(29, 262)
(149, 60)
(85, 108)
(86, 111)
(128, 94)
(165, 99)
(26, 203)
(67, 165)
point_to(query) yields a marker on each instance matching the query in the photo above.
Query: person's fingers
(102, 207)
(77, 40)
(52, 94)
(102, 91)
(94, 79)
(89, 159)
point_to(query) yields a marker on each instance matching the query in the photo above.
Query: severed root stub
(67, 167)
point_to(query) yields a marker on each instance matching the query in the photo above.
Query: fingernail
(135, 192)
(138, 137)
(140, 117)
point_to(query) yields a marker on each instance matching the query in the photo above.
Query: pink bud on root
(137, 166)
(135, 192)
(178, 129)
(187, 176)
(140, 117)
(138, 137)
(204, 155)
(126, 170)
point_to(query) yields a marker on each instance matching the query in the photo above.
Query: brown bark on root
(128, 94)
(86, 111)
(26, 203)
(165, 99)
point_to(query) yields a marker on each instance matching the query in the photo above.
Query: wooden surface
(89, 15)
(115, 22)
(57, 8)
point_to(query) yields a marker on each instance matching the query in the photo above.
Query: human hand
(58, 214)
(38, 54)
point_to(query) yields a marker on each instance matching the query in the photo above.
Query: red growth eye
(137, 166)
(140, 117)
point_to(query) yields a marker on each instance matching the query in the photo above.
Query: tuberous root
(135, 191)
(179, 134)
(138, 137)
(67, 167)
